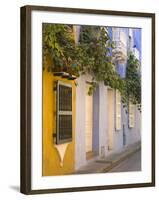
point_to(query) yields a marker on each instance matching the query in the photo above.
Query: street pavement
(126, 160)
(132, 163)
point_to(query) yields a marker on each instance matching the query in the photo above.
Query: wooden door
(110, 115)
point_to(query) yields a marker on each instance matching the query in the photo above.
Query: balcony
(119, 53)
(120, 42)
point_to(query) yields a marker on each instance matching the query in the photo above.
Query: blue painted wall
(137, 40)
(96, 121)
(121, 67)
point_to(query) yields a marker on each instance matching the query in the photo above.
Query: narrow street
(133, 163)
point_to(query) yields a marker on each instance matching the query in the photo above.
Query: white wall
(103, 137)
(9, 99)
(80, 151)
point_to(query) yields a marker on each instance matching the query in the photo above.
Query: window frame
(117, 114)
(60, 112)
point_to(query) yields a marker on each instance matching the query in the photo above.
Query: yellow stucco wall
(51, 158)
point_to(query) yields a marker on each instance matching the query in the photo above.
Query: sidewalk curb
(118, 161)
(105, 165)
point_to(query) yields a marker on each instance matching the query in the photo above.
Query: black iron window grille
(64, 113)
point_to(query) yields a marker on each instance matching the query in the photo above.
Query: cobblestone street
(133, 163)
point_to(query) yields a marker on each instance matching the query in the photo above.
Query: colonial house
(103, 126)
(78, 127)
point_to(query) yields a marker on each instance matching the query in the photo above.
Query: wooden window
(64, 113)
(131, 115)
(118, 110)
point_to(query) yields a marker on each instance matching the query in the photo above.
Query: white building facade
(103, 125)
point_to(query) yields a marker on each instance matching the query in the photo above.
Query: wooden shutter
(131, 115)
(64, 112)
(118, 110)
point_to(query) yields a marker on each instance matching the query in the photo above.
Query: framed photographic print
(87, 99)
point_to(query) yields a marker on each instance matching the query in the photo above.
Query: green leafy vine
(91, 55)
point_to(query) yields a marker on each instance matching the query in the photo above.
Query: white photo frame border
(36, 183)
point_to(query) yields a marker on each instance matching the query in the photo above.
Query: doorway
(110, 114)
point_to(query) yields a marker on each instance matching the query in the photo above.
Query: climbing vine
(92, 54)
(58, 43)
(133, 80)
(96, 46)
